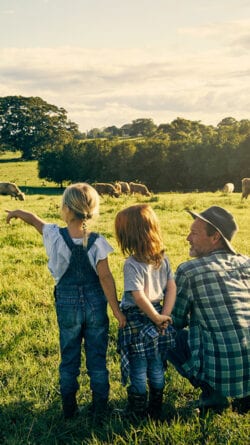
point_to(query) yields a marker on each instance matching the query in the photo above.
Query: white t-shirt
(145, 277)
(59, 253)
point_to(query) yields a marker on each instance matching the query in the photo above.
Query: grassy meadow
(30, 406)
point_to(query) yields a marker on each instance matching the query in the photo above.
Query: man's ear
(217, 237)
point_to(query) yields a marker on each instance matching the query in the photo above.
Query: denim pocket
(67, 305)
(66, 315)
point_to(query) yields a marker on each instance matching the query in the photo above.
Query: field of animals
(30, 405)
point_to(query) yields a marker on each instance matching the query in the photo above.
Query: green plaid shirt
(213, 299)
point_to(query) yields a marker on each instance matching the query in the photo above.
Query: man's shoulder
(215, 260)
(189, 265)
(201, 264)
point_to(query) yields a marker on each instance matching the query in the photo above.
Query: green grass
(30, 407)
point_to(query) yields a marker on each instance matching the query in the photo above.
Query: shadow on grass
(41, 190)
(21, 424)
(7, 160)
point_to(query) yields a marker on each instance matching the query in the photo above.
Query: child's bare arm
(169, 298)
(146, 306)
(109, 289)
(27, 217)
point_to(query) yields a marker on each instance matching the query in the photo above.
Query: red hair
(138, 234)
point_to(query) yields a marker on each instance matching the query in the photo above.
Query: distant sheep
(104, 188)
(10, 188)
(118, 187)
(124, 187)
(228, 187)
(245, 187)
(139, 188)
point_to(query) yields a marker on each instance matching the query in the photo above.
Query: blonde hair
(83, 200)
(138, 234)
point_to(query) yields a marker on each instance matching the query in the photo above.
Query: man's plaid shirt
(213, 299)
(140, 337)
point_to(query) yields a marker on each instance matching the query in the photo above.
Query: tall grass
(30, 407)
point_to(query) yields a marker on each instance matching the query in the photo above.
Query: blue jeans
(179, 355)
(143, 370)
(79, 319)
(181, 352)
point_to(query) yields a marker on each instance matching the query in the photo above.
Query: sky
(109, 62)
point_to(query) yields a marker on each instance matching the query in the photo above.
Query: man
(213, 301)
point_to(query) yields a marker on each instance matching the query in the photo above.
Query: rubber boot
(155, 403)
(242, 406)
(137, 405)
(99, 409)
(213, 400)
(70, 408)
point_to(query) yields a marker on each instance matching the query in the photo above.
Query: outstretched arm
(109, 289)
(27, 217)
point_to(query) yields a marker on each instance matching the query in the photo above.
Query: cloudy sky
(108, 62)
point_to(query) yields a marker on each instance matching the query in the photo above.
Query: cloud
(112, 87)
(227, 34)
(7, 12)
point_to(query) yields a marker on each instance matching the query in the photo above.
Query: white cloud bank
(112, 87)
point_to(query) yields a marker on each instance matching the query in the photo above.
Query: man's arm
(181, 311)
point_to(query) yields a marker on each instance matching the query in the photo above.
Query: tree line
(181, 155)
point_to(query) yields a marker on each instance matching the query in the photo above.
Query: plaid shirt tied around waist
(141, 337)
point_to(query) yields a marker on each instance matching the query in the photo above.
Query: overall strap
(68, 240)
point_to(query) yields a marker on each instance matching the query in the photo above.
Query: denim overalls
(81, 308)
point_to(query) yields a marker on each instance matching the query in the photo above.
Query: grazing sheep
(104, 188)
(139, 188)
(228, 187)
(245, 187)
(124, 187)
(10, 188)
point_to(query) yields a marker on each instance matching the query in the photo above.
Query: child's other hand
(164, 321)
(121, 320)
(164, 325)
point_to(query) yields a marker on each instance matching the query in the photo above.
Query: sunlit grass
(30, 407)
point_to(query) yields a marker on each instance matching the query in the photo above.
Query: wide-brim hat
(222, 220)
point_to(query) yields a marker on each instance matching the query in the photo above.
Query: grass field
(30, 407)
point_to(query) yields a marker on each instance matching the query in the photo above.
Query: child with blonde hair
(148, 299)
(83, 284)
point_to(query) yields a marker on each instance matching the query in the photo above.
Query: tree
(30, 124)
(184, 130)
(75, 161)
(143, 127)
(95, 133)
(112, 131)
(51, 166)
(149, 163)
(120, 161)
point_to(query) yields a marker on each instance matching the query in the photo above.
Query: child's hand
(164, 325)
(121, 319)
(11, 214)
(163, 322)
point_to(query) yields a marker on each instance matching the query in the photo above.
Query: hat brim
(197, 215)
